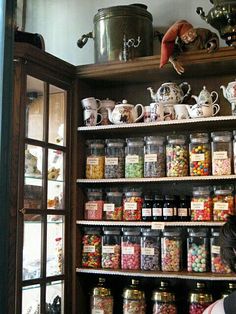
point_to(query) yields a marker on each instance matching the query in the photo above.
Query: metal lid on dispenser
(200, 295)
(100, 289)
(162, 294)
(133, 292)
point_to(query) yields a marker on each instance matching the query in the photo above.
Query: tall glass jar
(134, 156)
(199, 299)
(171, 250)
(95, 158)
(101, 300)
(201, 204)
(134, 299)
(198, 250)
(221, 151)
(150, 249)
(176, 156)
(91, 248)
(163, 300)
(114, 158)
(223, 202)
(199, 155)
(111, 248)
(154, 157)
(113, 205)
(132, 205)
(130, 248)
(94, 204)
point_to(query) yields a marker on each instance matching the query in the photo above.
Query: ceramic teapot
(205, 97)
(229, 92)
(202, 110)
(125, 113)
(170, 93)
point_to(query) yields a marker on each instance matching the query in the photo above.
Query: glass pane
(32, 247)
(55, 245)
(54, 297)
(33, 177)
(55, 179)
(34, 108)
(31, 300)
(57, 115)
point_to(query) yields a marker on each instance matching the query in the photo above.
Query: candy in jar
(199, 299)
(164, 300)
(114, 158)
(93, 207)
(130, 248)
(91, 248)
(101, 300)
(134, 158)
(154, 157)
(134, 299)
(132, 205)
(111, 248)
(171, 250)
(150, 249)
(201, 204)
(95, 159)
(113, 206)
(223, 202)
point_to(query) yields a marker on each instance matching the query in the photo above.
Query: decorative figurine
(182, 36)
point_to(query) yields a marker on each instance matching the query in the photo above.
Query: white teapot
(205, 97)
(202, 110)
(125, 113)
(229, 93)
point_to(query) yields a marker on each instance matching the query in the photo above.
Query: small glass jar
(114, 158)
(150, 249)
(132, 205)
(197, 250)
(171, 250)
(101, 300)
(94, 205)
(231, 286)
(91, 248)
(176, 156)
(147, 207)
(157, 208)
(154, 157)
(113, 206)
(130, 248)
(163, 300)
(95, 158)
(134, 299)
(111, 248)
(201, 204)
(223, 202)
(199, 155)
(199, 299)
(217, 265)
(169, 208)
(134, 155)
(221, 151)
(234, 150)
(183, 209)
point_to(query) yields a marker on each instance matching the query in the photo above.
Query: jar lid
(133, 193)
(155, 140)
(201, 190)
(133, 292)
(150, 232)
(114, 194)
(95, 143)
(100, 290)
(111, 231)
(163, 294)
(169, 197)
(223, 189)
(171, 233)
(197, 232)
(158, 197)
(115, 142)
(136, 141)
(89, 230)
(215, 232)
(176, 139)
(199, 295)
(224, 136)
(199, 138)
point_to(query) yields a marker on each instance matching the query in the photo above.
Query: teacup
(181, 112)
(169, 112)
(91, 116)
(156, 111)
(91, 103)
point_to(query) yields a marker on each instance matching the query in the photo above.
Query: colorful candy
(91, 251)
(199, 160)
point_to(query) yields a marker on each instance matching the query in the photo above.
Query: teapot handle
(216, 109)
(188, 90)
(142, 113)
(216, 96)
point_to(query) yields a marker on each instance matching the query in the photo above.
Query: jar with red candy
(94, 206)
(91, 248)
(113, 205)
(201, 204)
(199, 299)
(101, 300)
(164, 300)
(132, 205)
(134, 299)
(223, 202)
(130, 248)
(111, 248)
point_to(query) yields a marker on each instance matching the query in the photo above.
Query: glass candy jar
(199, 154)
(163, 300)
(101, 300)
(130, 248)
(231, 286)
(154, 157)
(134, 299)
(221, 151)
(201, 204)
(114, 158)
(171, 250)
(199, 299)
(150, 249)
(132, 205)
(223, 202)
(94, 205)
(95, 157)
(111, 248)
(113, 206)
(91, 248)
(134, 156)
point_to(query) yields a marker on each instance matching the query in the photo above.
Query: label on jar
(220, 155)
(146, 212)
(130, 206)
(197, 205)
(221, 206)
(109, 207)
(157, 211)
(147, 251)
(91, 206)
(128, 250)
(93, 161)
(108, 249)
(183, 212)
(168, 211)
(89, 249)
(197, 157)
(215, 249)
(97, 311)
(111, 161)
(150, 158)
(132, 159)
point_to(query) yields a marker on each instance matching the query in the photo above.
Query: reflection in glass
(32, 247)
(31, 299)
(54, 297)
(34, 108)
(55, 245)
(57, 115)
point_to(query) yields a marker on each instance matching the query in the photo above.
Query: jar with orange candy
(223, 202)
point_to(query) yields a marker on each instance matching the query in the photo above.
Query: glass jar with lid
(94, 204)
(223, 202)
(150, 249)
(199, 155)
(154, 157)
(130, 248)
(111, 248)
(101, 300)
(114, 158)
(113, 205)
(134, 299)
(198, 250)
(132, 204)
(217, 265)
(91, 248)
(176, 156)
(201, 204)
(199, 298)
(163, 300)
(221, 152)
(95, 158)
(231, 286)
(134, 156)
(169, 208)
(171, 250)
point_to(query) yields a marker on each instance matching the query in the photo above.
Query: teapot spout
(224, 90)
(153, 95)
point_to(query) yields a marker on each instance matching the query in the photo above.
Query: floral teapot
(170, 93)
(205, 97)
(125, 113)
(202, 110)
(229, 93)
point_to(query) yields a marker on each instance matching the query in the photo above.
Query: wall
(63, 22)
